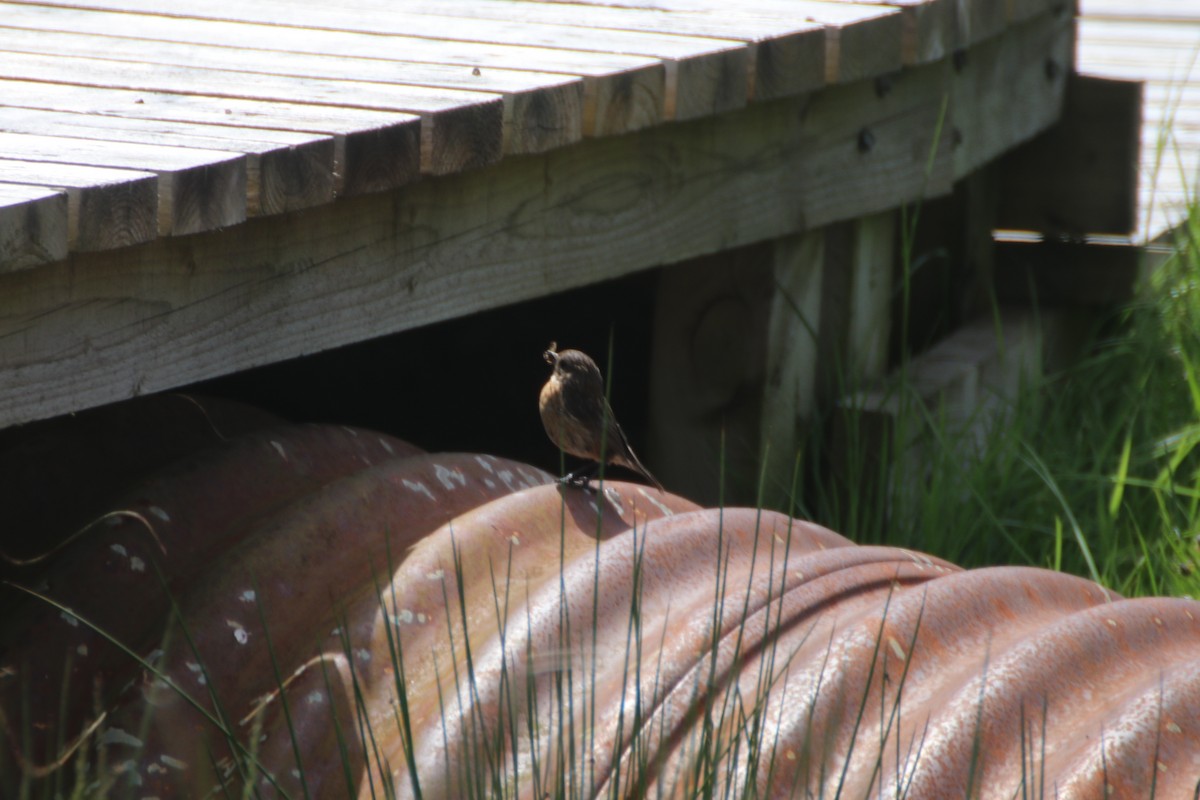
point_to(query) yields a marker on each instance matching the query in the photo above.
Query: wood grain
(373, 150)
(33, 226)
(199, 190)
(501, 69)
(106, 208)
(553, 120)
(280, 286)
(440, 110)
(285, 170)
(861, 40)
(928, 27)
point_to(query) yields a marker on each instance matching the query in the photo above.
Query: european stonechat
(577, 416)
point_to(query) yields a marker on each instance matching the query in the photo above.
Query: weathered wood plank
(872, 264)
(373, 150)
(861, 41)
(623, 92)
(459, 130)
(106, 208)
(285, 171)
(33, 226)
(541, 110)
(199, 190)
(483, 32)
(787, 54)
(928, 30)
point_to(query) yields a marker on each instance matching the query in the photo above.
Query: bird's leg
(582, 476)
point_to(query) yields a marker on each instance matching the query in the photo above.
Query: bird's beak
(551, 355)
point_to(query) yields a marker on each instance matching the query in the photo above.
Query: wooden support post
(789, 388)
(734, 356)
(872, 266)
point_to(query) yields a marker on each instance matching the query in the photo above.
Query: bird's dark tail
(635, 464)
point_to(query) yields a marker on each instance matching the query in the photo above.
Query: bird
(577, 416)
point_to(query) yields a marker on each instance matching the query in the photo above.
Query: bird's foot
(580, 478)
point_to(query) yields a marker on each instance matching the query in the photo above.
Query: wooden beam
(33, 226)
(1080, 176)
(929, 30)
(694, 58)
(872, 265)
(991, 115)
(280, 286)
(862, 40)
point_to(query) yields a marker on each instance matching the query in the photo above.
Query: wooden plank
(704, 75)
(862, 41)
(459, 130)
(1080, 176)
(541, 110)
(928, 27)
(691, 58)
(33, 226)
(872, 264)
(790, 374)
(285, 171)
(706, 372)
(373, 150)
(622, 92)
(991, 114)
(198, 190)
(106, 208)
(787, 53)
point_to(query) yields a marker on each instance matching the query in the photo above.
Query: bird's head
(569, 363)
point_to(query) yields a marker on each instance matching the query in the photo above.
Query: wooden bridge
(192, 188)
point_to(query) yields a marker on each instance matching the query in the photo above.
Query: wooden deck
(1157, 41)
(192, 187)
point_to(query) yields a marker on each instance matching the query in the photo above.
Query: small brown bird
(576, 415)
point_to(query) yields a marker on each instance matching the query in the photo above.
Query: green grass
(1095, 470)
